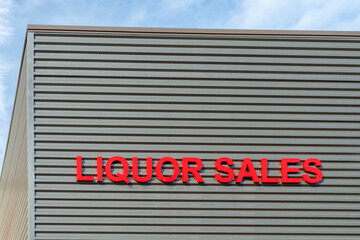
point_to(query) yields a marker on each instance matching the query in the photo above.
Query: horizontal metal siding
(14, 182)
(201, 96)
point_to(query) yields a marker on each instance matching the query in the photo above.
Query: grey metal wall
(200, 95)
(14, 178)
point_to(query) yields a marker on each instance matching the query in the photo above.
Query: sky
(229, 14)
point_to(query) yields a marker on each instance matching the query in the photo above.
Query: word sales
(225, 173)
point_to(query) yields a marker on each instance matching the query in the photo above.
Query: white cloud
(330, 15)
(4, 115)
(4, 68)
(178, 5)
(299, 15)
(5, 20)
(264, 14)
(351, 24)
(6, 31)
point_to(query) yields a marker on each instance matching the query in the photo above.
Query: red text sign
(225, 173)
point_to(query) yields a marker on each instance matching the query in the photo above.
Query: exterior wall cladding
(129, 92)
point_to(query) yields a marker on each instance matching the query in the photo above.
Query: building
(91, 97)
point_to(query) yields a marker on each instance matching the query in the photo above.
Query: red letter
(119, 177)
(309, 169)
(99, 168)
(224, 169)
(247, 164)
(264, 173)
(135, 170)
(194, 170)
(285, 170)
(158, 168)
(79, 176)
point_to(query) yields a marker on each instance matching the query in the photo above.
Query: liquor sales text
(311, 167)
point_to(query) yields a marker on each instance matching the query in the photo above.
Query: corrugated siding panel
(201, 96)
(14, 178)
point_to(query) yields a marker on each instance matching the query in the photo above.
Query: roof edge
(310, 33)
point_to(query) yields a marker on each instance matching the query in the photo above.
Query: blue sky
(235, 14)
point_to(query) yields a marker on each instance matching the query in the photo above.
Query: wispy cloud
(6, 31)
(4, 115)
(264, 14)
(183, 5)
(299, 15)
(329, 15)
